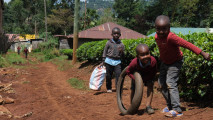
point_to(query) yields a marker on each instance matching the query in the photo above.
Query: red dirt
(43, 90)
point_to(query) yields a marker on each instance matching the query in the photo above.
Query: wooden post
(1, 15)
(35, 30)
(85, 14)
(75, 38)
(45, 12)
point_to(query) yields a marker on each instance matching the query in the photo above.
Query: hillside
(98, 5)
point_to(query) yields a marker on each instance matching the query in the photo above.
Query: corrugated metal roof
(104, 31)
(12, 37)
(184, 31)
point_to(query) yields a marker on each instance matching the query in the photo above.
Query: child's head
(143, 53)
(116, 33)
(162, 26)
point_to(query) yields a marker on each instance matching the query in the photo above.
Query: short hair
(163, 17)
(116, 28)
(140, 46)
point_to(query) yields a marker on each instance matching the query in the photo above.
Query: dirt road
(43, 90)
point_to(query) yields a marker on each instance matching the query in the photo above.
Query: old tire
(136, 101)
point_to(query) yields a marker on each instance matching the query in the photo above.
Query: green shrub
(11, 58)
(47, 50)
(196, 73)
(93, 51)
(3, 62)
(36, 50)
(51, 54)
(68, 52)
(82, 51)
(196, 77)
(14, 58)
(51, 43)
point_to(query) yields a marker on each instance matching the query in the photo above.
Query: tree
(204, 13)
(61, 18)
(187, 13)
(106, 17)
(91, 19)
(20, 16)
(126, 10)
(17, 17)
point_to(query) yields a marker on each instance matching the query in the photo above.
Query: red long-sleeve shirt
(169, 48)
(147, 73)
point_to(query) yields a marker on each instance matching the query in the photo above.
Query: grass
(11, 59)
(62, 62)
(25, 82)
(78, 84)
(46, 55)
(39, 56)
(14, 58)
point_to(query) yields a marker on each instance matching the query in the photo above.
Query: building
(23, 40)
(100, 32)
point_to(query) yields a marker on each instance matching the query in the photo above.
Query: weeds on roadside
(11, 59)
(62, 63)
(25, 82)
(78, 84)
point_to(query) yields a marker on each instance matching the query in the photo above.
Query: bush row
(196, 77)
(67, 52)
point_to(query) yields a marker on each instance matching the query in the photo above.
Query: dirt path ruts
(48, 95)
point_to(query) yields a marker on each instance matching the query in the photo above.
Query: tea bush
(67, 52)
(91, 51)
(196, 77)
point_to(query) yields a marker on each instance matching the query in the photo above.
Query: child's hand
(100, 65)
(205, 55)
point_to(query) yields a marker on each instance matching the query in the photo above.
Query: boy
(171, 61)
(146, 65)
(19, 48)
(26, 52)
(113, 51)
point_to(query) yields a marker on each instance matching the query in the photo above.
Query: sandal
(165, 110)
(173, 113)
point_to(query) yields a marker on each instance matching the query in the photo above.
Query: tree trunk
(75, 39)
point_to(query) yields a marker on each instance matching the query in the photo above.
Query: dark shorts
(144, 82)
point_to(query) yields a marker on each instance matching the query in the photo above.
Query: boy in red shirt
(19, 48)
(171, 62)
(146, 65)
(26, 52)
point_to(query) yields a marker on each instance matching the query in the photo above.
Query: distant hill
(98, 5)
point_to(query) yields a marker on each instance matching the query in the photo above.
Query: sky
(6, 1)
